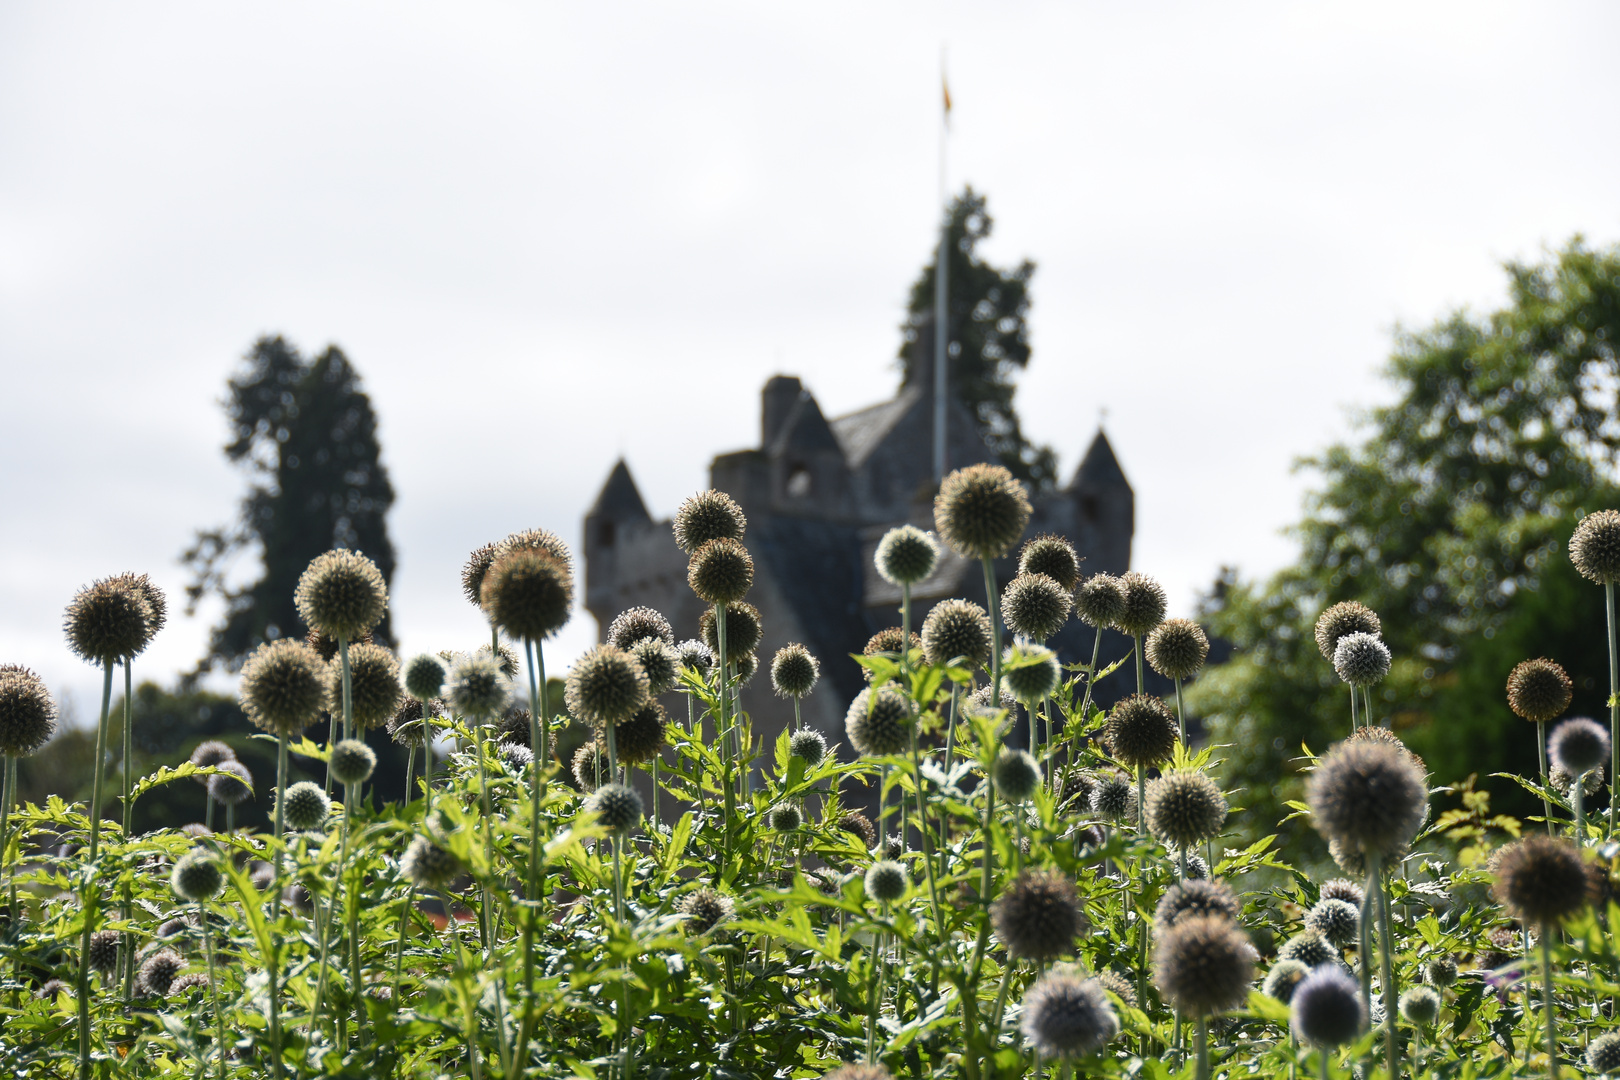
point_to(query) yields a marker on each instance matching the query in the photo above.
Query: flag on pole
(945, 85)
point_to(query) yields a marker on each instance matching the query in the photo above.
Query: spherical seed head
(515, 756)
(1177, 648)
(108, 619)
(1141, 730)
(1326, 1008)
(906, 555)
(1539, 690)
(54, 987)
(1578, 746)
(232, 785)
(886, 881)
(476, 687)
(617, 807)
(1368, 796)
(809, 745)
(374, 691)
(1144, 604)
(472, 574)
(305, 807)
(186, 983)
(326, 647)
(981, 511)
(27, 712)
(785, 817)
(1100, 600)
(1016, 774)
(528, 593)
(1378, 733)
(342, 594)
(696, 655)
(1184, 808)
(197, 876)
(640, 738)
(606, 686)
(794, 671)
(1595, 547)
(590, 766)
(543, 540)
(858, 1072)
(1361, 659)
(1283, 979)
(1053, 556)
(1113, 798)
(860, 826)
(634, 624)
(704, 910)
(1193, 899)
(1309, 948)
(1343, 619)
(157, 974)
(1440, 971)
(880, 722)
(1036, 606)
(1039, 916)
(208, 754)
(1335, 920)
(1030, 673)
(708, 515)
(156, 602)
(1203, 965)
(352, 762)
(1118, 985)
(743, 631)
(956, 628)
(427, 865)
(408, 725)
(283, 687)
(1067, 1017)
(1197, 868)
(1603, 1054)
(1420, 1005)
(660, 663)
(104, 950)
(890, 641)
(1342, 889)
(1541, 880)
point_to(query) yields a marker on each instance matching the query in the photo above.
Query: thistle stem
(1203, 1048)
(1541, 755)
(1136, 650)
(410, 770)
(213, 985)
(730, 792)
(1392, 1046)
(270, 961)
(1368, 917)
(1547, 1000)
(486, 928)
(1181, 716)
(1352, 725)
(1614, 710)
(399, 949)
(1578, 794)
(93, 885)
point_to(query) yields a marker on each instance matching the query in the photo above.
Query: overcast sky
(549, 235)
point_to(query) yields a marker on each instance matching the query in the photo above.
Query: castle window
(604, 533)
(798, 482)
(1088, 506)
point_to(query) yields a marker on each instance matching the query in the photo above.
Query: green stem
(730, 792)
(399, 949)
(1136, 650)
(1181, 716)
(1369, 914)
(999, 1014)
(410, 771)
(1614, 711)
(927, 837)
(213, 985)
(93, 884)
(275, 905)
(1352, 711)
(1547, 1000)
(1541, 755)
(1392, 1046)
(129, 745)
(1323, 1055)
(486, 927)
(1578, 794)
(1203, 1048)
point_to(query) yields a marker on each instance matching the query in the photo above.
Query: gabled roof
(619, 500)
(861, 432)
(1099, 469)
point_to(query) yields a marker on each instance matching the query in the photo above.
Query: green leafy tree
(1450, 519)
(306, 434)
(989, 337)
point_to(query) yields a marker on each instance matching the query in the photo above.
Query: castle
(818, 495)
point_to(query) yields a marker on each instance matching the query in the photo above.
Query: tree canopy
(989, 336)
(1451, 519)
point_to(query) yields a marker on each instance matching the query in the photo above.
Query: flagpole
(941, 286)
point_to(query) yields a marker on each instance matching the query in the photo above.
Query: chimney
(781, 393)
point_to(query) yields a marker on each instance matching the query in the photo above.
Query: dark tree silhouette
(989, 337)
(307, 436)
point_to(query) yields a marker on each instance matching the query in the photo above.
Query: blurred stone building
(818, 494)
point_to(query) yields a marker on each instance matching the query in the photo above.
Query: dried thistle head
(1053, 556)
(1348, 617)
(1326, 1008)
(706, 516)
(528, 593)
(794, 671)
(1542, 880)
(283, 688)
(1067, 1017)
(744, 631)
(1100, 600)
(1039, 916)
(906, 555)
(1030, 673)
(956, 629)
(27, 712)
(374, 690)
(342, 594)
(660, 663)
(1144, 604)
(640, 738)
(1368, 796)
(633, 624)
(1035, 605)
(109, 619)
(880, 722)
(1184, 808)
(1141, 730)
(981, 511)
(1186, 899)
(476, 688)
(1579, 746)
(1176, 648)
(1595, 547)
(1539, 690)
(1203, 965)
(1361, 659)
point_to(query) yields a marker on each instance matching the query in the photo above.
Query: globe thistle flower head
(352, 762)
(1017, 775)
(1335, 920)
(108, 619)
(1144, 604)
(1420, 1005)
(744, 668)
(1053, 556)
(156, 602)
(1541, 880)
(232, 785)
(956, 629)
(1176, 648)
(1195, 899)
(1539, 690)
(208, 754)
(528, 593)
(906, 555)
(1559, 779)
(1283, 979)
(708, 515)
(104, 950)
(721, 572)
(809, 745)
(424, 677)
(660, 663)
(53, 988)
(427, 865)
(515, 757)
(635, 624)
(1440, 971)
(981, 511)
(27, 712)
(408, 726)
(886, 881)
(606, 686)
(1361, 659)
(1067, 1017)
(1578, 746)
(1197, 868)
(1100, 600)
(880, 722)
(305, 807)
(476, 688)
(1326, 1008)
(1035, 606)
(695, 655)
(472, 574)
(1203, 965)
(1030, 673)
(1381, 734)
(590, 766)
(743, 631)
(889, 641)
(1603, 1054)
(1114, 799)
(186, 983)
(1040, 916)
(1342, 889)
(157, 973)
(1141, 730)
(704, 910)
(617, 807)
(1341, 620)
(860, 826)
(1367, 796)
(342, 594)
(785, 817)
(1118, 985)
(1309, 948)
(374, 691)
(794, 671)
(283, 687)
(1184, 808)
(541, 540)
(641, 738)
(1595, 547)
(197, 876)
